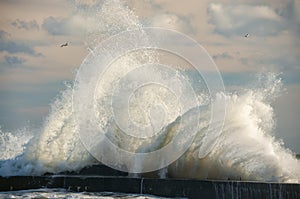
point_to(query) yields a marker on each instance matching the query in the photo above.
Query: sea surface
(64, 194)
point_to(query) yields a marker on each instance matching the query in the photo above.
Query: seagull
(247, 35)
(63, 45)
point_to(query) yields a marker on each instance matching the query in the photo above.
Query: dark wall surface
(160, 187)
(100, 178)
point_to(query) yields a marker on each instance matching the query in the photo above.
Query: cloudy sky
(34, 68)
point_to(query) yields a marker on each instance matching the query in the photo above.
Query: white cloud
(170, 21)
(75, 25)
(240, 19)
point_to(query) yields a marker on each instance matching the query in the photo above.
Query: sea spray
(13, 144)
(245, 149)
(54, 148)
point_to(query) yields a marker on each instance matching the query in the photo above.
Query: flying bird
(247, 35)
(63, 45)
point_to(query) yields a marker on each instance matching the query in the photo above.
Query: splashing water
(244, 149)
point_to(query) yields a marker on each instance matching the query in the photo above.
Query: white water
(245, 148)
(61, 193)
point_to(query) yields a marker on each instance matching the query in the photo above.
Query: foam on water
(61, 193)
(246, 148)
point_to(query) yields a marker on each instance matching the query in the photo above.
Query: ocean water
(240, 146)
(61, 193)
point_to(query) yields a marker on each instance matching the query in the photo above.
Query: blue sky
(33, 68)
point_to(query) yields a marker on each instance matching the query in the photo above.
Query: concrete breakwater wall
(114, 181)
(160, 187)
